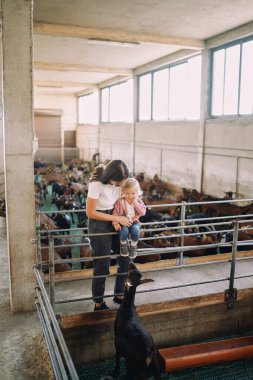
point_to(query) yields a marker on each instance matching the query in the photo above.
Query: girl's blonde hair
(131, 182)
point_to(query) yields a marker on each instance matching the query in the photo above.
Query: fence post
(182, 223)
(231, 293)
(51, 271)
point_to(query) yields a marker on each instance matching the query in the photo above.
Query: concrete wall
(172, 150)
(228, 159)
(171, 324)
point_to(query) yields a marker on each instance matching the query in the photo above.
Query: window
(161, 95)
(232, 79)
(145, 97)
(117, 102)
(88, 109)
(172, 92)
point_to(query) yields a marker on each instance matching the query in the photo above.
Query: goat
(132, 341)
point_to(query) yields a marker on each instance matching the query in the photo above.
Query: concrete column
(18, 144)
(204, 114)
(135, 118)
(1, 126)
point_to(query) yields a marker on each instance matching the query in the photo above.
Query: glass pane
(246, 94)
(105, 105)
(81, 110)
(121, 102)
(91, 108)
(161, 95)
(145, 97)
(177, 92)
(231, 80)
(194, 87)
(218, 82)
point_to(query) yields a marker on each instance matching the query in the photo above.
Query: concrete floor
(23, 351)
(21, 334)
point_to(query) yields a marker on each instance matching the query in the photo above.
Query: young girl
(133, 207)
(103, 191)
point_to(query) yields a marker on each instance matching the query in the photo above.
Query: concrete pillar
(204, 114)
(17, 45)
(135, 118)
(1, 127)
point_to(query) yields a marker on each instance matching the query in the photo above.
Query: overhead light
(101, 41)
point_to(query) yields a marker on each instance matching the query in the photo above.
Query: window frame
(109, 102)
(152, 72)
(239, 42)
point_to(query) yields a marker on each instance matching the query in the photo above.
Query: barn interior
(83, 78)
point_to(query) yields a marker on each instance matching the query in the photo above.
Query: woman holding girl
(103, 191)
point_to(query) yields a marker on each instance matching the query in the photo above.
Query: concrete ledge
(90, 336)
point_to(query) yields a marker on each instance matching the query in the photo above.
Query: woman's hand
(124, 221)
(116, 226)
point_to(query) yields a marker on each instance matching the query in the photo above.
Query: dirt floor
(23, 351)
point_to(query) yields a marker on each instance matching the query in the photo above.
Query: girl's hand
(135, 218)
(124, 221)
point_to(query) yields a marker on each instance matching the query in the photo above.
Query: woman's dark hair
(115, 170)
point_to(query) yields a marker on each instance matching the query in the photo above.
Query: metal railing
(57, 349)
(179, 232)
(59, 355)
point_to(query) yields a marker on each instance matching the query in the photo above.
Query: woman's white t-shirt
(106, 195)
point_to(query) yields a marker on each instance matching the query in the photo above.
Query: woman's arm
(92, 213)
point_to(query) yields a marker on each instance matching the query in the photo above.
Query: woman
(103, 191)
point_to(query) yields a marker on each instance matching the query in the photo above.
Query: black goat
(132, 341)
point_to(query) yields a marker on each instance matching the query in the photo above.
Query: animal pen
(195, 331)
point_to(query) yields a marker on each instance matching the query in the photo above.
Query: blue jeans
(102, 246)
(134, 232)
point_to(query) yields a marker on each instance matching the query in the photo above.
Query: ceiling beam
(61, 84)
(171, 58)
(231, 35)
(81, 68)
(113, 35)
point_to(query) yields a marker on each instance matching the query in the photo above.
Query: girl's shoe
(124, 250)
(133, 252)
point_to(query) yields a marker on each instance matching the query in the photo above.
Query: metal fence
(46, 301)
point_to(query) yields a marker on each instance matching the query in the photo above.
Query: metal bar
(48, 343)
(231, 293)
(51, 271)
(57, 330)
(55, 348)
(233, 261)
(182, 225)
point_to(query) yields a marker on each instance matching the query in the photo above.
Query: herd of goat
(175, 218)
(66, 187)
(164, 225)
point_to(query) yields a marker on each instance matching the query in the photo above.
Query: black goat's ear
(146, 280)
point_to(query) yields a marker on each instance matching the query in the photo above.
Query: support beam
(60, 84)
(114, 35)
(233, 34)
(81, 68)
(17, 42)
